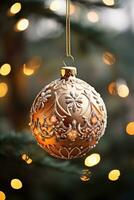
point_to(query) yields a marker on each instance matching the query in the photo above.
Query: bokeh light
(55, 5)
(112, 88)
(109, 2)
(72, 9)
(34, 62)
(130, 128)
(123, 90)
(16, 184)
(29, 161)
(26, 158)
(85, 176)
(92, 160)
(59, 6)
(5, 69)
(32, 65)
(108, 58)
(27, 71)
(15, 8)
(2, 195)
(3, 89)
(22, 24)
(93, 16)
(114, 175)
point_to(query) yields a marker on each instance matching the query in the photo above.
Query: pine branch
(97, 3)
(38, 7)
(97, 36)
(15, 144)
(86, 3)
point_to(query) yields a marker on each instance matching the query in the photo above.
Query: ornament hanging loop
(69, 59)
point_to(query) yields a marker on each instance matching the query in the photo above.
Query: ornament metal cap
(68, 71)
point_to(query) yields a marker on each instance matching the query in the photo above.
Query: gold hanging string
(68, 35)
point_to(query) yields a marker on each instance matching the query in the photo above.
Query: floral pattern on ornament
(74, 101)
(42, 99)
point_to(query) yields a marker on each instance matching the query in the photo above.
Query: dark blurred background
(32, 48)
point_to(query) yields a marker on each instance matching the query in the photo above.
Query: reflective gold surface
(68, 116)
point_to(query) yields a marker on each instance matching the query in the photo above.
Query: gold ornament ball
(68, 117)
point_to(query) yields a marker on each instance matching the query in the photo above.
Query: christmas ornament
(68, 117)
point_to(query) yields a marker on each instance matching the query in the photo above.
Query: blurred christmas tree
(32, 35)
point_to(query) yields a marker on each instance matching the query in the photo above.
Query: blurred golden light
(5, 69)
(3, 89)
(55, 5)
(2, 195)
(84, 178)
(16, 184)
(32, 65)
(108, 58)
(130, 128)
(123, 90)
(112, 88)
(26, 158)
(93, 16)
(22, 24)
(27, 71)
(109, 2)
(72, 9)
(114, 175)
(29, 161)
(15, 8)
(34, 62)
(92, 160)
